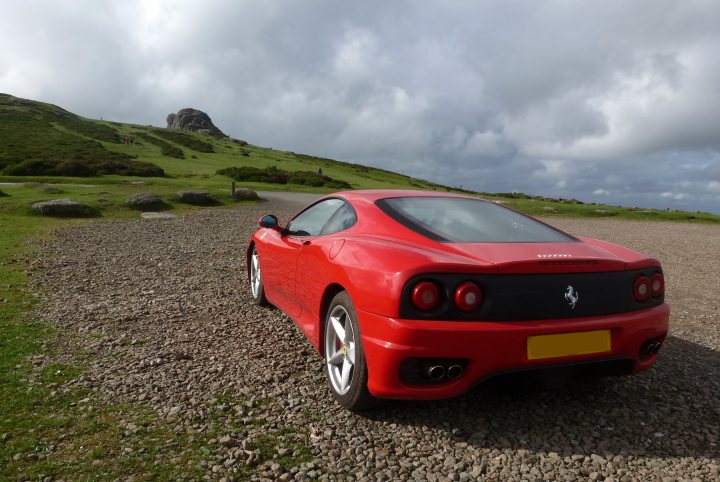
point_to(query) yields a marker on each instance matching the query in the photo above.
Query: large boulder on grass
(196, 197)
(144, 200)
(63, 207)
(246, 195)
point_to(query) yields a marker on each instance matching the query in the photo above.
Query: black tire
(257, 289)
(352, 394)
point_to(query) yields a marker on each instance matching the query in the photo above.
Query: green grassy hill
(44, 143)
(38, 135)
(42, 139)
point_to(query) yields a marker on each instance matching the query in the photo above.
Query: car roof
(372, 195)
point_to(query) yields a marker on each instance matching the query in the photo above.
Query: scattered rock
(228, 441)
(246, 195)
(63, 207)
(239, 141)
(193, 120)
(144, 200)
(196, 197)
(154, 215)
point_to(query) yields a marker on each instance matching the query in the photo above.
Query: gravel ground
(164, 308)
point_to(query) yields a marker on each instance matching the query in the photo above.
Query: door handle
(306, 242)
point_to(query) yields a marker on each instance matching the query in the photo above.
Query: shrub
(90, 129)
(166, 149)
(73, 168)
(33, 167)
(273, 175)
(84, 168)
(306, 178)
(185, 140)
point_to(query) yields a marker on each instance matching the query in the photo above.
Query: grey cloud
(712, 171)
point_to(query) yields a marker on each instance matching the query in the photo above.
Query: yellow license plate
(568, 344)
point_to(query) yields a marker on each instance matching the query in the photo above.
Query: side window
(311, 221)
(343, 219)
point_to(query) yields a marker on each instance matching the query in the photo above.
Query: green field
(48, 430)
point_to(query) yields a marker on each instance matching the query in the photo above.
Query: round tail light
(425, 296)
(468, 297)
(641, 289)
(657, 284)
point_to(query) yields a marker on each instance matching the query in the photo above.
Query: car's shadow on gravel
(671, 410)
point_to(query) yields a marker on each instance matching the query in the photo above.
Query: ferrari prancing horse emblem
(572, 296)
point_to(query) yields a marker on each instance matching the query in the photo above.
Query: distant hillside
(42, 139)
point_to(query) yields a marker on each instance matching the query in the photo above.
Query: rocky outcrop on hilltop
(193, 120)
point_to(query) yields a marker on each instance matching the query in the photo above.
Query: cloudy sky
(615, 102)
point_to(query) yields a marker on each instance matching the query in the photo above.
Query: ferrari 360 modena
(424, 295)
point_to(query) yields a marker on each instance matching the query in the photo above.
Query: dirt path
(165, 310)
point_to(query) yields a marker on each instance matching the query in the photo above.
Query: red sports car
(423, 295)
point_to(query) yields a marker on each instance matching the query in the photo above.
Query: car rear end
(541, 301)
(469, 328)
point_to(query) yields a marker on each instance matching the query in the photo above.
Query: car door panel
(314, 275)
(278, 267)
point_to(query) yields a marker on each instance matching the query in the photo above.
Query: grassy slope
(41, 138)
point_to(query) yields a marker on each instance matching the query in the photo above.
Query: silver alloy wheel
(255, 278)
(340, 350)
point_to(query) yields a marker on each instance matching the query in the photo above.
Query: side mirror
(268, 221)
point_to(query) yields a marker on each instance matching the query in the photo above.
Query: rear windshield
(462, 220)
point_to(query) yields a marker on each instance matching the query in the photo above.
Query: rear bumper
(493, 347)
